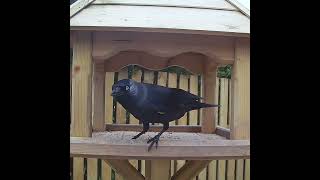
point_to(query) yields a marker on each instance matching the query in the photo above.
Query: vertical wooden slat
(239, 169)
(212, 170)
(121, 112)
(231, 170)
(221, 169)
(223, 113)
(98, 108)
(183, 84)
(81, 93)
(247, 170)
(209, 81)
(92, 169)
(223, 119)
(172, 82)
(109, 80)
(193, 115)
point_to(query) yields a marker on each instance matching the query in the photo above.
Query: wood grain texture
(98, 121)
(125, 169)
(151, 18)
(190, 170)
(240, 94)
(119, 145)
(200, 4)
(108, 44)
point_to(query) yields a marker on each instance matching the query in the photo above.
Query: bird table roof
(226, 17)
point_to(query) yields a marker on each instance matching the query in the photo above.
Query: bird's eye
(127, 88)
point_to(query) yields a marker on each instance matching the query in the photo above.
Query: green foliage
(225, 72)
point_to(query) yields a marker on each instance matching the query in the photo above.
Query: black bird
(155, 104)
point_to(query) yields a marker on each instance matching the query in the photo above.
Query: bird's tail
(200, 105)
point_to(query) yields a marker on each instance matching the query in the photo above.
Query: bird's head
(123, 87)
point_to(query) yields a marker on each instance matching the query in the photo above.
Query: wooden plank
(105, 171)
(223, 113)
(125, 169)
(98, 122)
(157, 128)
(108, 98)
(172, 82)
(221, 169)
(78, 168)
(168, 47)
(81, 85)
(109, 79)
(203, 174)
(240, 109)
(193, 115)
(158, 170)
(137, 77)
(209, 81)
(92, 169)
(241, 7)
(121, 112)
(200, 4)
(224, 132)
(212, 170)
(150, 18)
(81, 94)
(239, 169)
(183, 84)
(231, 170)
(247, 170)
(190, 170)
(119, 145)
(78, 6)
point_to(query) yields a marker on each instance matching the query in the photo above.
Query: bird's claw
(153, 140)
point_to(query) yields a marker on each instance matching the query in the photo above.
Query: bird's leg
(155, 139)
(145, 129)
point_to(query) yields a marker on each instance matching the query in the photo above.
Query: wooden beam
(153, 128)
(125, 169)
(157, 170)
(81, 93)
(81, 85)
(78, 6)
(190, 170)
(199, 4)
(98, 121)
(150, 18)
(240, 91)
(224, 132)
(239, 6)
(209, 82)
(119, 145)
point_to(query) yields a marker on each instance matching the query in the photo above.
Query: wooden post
(240, 97)
(158, 170)
(98, 121)
(81, 93)
(209, 82)
(240, 91)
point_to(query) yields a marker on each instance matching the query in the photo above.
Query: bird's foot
(153, 140)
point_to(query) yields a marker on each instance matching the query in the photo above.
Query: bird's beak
(115, 91)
